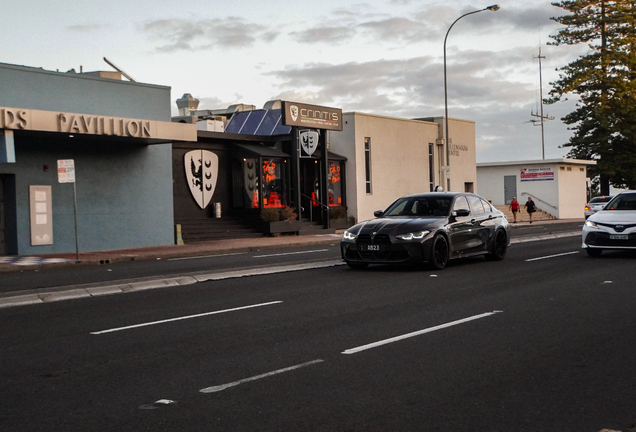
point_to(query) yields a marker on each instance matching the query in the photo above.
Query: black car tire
(499, 247)
(357, 265)
(594, 252)
(439, 252)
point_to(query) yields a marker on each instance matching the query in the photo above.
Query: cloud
(330, 35)
(228, 33)
(85, 28)
(398, 29)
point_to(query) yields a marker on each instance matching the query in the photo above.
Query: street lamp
(492, 8)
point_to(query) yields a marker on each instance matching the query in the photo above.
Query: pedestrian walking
(530, 208)
(514, 208)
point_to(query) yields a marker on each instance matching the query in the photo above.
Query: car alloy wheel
(439, 252)
(499, 247)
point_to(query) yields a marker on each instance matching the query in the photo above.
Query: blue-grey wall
(124, 189)
(32, 88)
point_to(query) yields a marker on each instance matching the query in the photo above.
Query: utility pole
(542, 118)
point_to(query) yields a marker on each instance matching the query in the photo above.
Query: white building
(557, 186)
(390, 157)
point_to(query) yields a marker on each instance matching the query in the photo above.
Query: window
(367, 163)
(461, 204)
(334, 181)
(274, 186)
(487, 206)
(476, 207)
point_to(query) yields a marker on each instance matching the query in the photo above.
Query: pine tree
(604, 121)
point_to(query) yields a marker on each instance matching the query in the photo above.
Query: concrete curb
(44, 295)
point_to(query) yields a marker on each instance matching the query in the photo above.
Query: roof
(538, 162)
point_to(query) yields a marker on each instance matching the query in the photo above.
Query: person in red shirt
(514, 208)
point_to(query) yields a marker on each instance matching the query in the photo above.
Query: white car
(596, 204)
(613, 227)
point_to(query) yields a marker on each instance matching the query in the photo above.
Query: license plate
(373, 248)
(619, 237)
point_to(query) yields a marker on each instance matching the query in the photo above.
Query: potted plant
(283, 221)
(339, 219)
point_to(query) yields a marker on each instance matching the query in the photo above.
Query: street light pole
(492, 8)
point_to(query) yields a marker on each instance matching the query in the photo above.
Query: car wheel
(357, 265)
(499, 247)
(439, 253)
(594, 252)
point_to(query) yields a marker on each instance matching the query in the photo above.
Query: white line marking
(206, 256)
(222, 387)
(183, 318)
(290, 253)
(552, 256)
(417, 333)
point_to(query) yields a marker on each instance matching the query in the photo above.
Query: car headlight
(413, 236)
(349, 236)
(591, 224)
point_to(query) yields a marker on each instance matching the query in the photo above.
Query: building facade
(112, 137)
(558, 186)
(389, 157)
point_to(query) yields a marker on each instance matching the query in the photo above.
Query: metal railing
(536, 198)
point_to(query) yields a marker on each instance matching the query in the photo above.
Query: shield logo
(293, 110)
(309, 141)
(202, 170)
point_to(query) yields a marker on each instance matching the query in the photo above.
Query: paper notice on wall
(66, 171)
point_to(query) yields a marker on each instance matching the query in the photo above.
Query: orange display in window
(334, 170)
(269, 171)
(273, 201)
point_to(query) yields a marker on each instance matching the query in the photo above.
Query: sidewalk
(13, 263)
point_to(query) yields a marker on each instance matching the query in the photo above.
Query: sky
(381, 57)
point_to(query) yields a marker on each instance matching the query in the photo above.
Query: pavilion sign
(74, 123)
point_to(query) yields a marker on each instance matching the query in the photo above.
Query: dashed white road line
(222, 387)
(417, 333)
(290, 253)
(183, 318)
(552, 256)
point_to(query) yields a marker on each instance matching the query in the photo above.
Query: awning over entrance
(256, 150)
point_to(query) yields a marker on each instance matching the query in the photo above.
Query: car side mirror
(378, 213)
(461, 212)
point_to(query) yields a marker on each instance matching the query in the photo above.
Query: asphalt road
(540, 341)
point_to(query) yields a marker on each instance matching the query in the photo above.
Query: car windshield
(622, 202)
(428, 206)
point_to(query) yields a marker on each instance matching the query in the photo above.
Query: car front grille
(603, 239)
(389, 253)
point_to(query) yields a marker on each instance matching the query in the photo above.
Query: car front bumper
(391, 253)
(601, 239)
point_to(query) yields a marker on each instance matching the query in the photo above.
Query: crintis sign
(312, 116)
